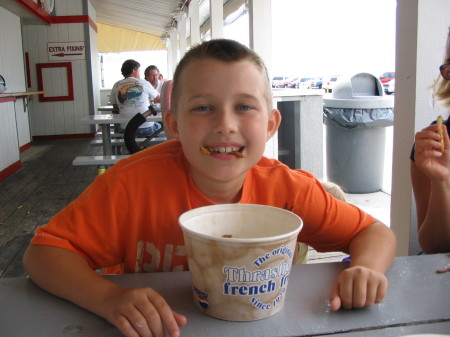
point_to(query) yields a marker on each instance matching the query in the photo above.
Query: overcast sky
(333, 36)
(310, 38)
(329, 37)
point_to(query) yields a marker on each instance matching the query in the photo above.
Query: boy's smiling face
(223, 120)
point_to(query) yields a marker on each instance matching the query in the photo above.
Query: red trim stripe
(68, 66)
(41, 14)
(7, 99)
(10, 170)
(74, 19)
(27, 66)
(71, 136)
(35, 9)
(25, 147)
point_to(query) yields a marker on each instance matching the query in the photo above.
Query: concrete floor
(377, 204)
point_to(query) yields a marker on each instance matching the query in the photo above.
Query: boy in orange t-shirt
(221, 118)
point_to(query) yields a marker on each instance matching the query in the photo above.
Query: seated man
(151, 74)
(132, 126)
(133, 95)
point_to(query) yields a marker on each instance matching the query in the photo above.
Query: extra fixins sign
(66, 51)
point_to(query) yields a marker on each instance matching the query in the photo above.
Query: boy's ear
(273, 123)
(170, 124)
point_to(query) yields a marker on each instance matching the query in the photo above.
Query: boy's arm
(66, 274)
(364, 283)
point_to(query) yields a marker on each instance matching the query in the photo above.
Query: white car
(389, 87)
(278, 81)
(304, 83)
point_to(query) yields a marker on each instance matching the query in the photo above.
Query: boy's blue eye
(201, 108)
(244, 107)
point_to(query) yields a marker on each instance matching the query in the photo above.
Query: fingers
(126, 327)
(427, 144)
(162, 316)
(181, 319)
(431, 136)
(358, 287)
(335, 300)
(152, 319)
(142, 312)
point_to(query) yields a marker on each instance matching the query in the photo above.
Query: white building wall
(14, 131)
(59, 118)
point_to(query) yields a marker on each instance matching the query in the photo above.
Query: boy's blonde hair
(441, 87)
(221, 50)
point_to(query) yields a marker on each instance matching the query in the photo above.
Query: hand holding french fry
(429, 154)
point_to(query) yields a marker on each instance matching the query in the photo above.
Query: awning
(111, 39)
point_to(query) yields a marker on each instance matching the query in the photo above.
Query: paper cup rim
(238, 207)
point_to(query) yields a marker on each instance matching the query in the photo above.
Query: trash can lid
(360, 91)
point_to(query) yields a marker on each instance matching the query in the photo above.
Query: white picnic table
(105, 120)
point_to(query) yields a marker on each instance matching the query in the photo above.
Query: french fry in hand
(440, 131)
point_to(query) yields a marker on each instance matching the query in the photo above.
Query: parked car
(389, 87)
(386, 77)
(304, 83)
(290, 82)
(328, 83)
(278, 81)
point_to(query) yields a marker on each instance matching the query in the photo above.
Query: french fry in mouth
(207, 151)
(440, 131)
(238, 154)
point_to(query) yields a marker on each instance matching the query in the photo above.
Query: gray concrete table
(300, 135)
(107, 109)
(418, 301)
(105, 120)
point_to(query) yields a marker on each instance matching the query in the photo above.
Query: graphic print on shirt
(130, 93)
(150, 259)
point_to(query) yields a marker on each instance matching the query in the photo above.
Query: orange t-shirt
(129, 215)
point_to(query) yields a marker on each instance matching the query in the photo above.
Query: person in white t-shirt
(151, 74)
(133, 95)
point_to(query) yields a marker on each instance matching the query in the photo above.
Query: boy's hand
(141, 312)
(358, 287)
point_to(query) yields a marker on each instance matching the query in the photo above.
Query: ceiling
(147, 16)
(144, 16)
(152, 16)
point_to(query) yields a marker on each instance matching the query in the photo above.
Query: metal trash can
(356, 116)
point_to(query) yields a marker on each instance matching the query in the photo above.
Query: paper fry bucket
(240, 257)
